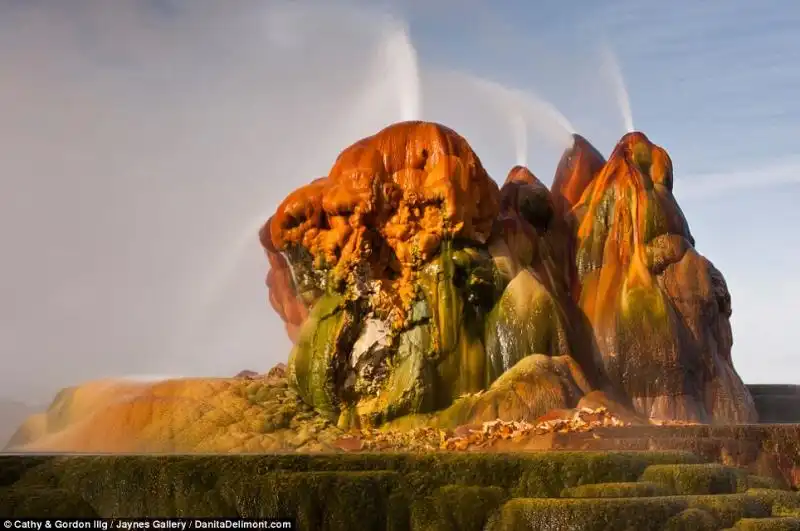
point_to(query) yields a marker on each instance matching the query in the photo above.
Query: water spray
(401, 56)
(523, 109)
(620, 90)
(520, 128)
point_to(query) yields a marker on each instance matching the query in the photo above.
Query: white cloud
(703, 186)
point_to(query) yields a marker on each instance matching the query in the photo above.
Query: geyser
(526, 116)
(614, 71)
(520, 129)
(534, 111)
(400, 58)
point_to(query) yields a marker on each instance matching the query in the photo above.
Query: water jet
(400, 56)
(614, 71)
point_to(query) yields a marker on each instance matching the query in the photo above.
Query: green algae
(312, 358)
(447, 491)
(634, 514)
(768, 524)
(184, 485)
(693, 519)
(456, 508)
(456, 346)
(576, 514)
(637, 489)
(43, 503)
(590, 253)
(728, 509)
(525, 321)
(694, 478)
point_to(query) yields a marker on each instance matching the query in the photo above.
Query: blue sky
(144, 142)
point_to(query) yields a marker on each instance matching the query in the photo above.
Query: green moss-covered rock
(752, 481)
(360, 363)
(599, 514)
(383, 491)
(456, 508)
(526, 319)
(783, 502)
(779, 509)
(12, 468)
(311, 363)
(642, 513)
(768, 524)
(692, 520)
(202, 485)
(727, 509)
(534, 386)
(638, 489)
(694, 478)
(43, 503)
(551, 476)
(317, 500)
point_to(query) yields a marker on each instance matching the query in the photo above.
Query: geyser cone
(579, 164)
(392, 241)
(659, 310)
(536, 243)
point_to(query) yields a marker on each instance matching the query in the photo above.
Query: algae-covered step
(657, 513)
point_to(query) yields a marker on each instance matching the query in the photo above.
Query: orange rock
(598, 399)
(555, 414)
(658, 309)
(283, 294)
(386, 205)
(578, 166)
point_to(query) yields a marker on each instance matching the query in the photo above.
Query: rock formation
(423, 283)
(418, 291)
(660, 311)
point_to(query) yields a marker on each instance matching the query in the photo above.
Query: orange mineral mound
(659, 310)
(576, 169)
(386, 206)
(178, 415)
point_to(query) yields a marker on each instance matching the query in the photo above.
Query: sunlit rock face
(659, 310)
(535, 313)
(408, 279)
(423, 281)
(579, 164)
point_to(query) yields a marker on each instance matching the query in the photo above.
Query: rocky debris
(669, 422)
(480, 436)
